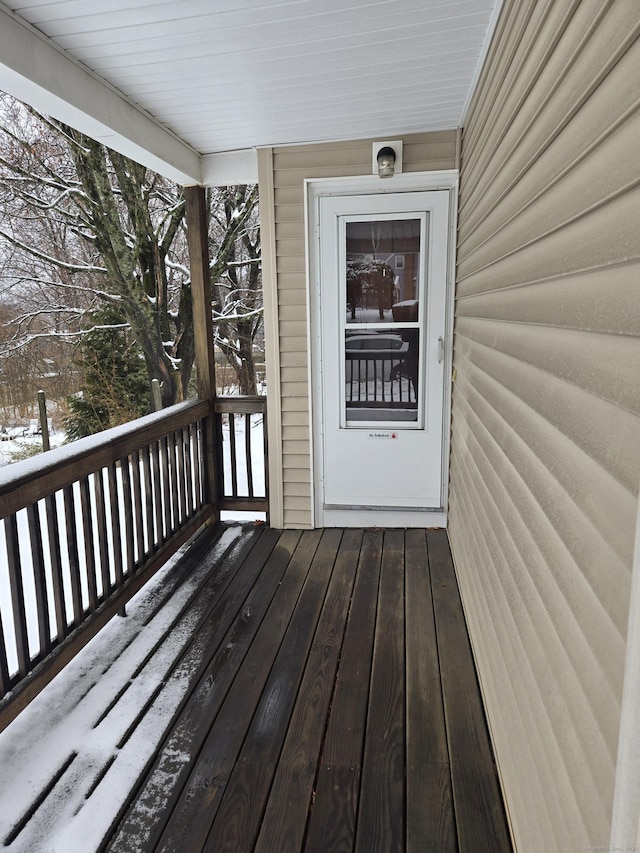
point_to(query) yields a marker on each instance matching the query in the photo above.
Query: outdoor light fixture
(386, 162)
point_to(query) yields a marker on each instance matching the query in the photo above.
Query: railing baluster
(175, 505)
(148, 500)
(126, 464)
(265, 447)
(181, 482)
(5, 683)
(390, 383)
(103, 548)
(195, 431)
(188, 475)
(232, 452)
(137, 503)
(166, 485)
(74, 558)
(391, 379)
(39, 578)
(89, 553)
(116, 529)
(220, 486)
(157, 490)
(53, 530)
(17, 594)
(247, 447)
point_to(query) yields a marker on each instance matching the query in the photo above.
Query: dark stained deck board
(381, 818)
(336, 708)
(156, 799)
(200, 798)
(265, 738)
(285, 816)
(480, 818)
(332, 822)
(430, 818)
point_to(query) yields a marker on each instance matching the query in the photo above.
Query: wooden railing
(86, 525)
(241, 423)
(375, 381)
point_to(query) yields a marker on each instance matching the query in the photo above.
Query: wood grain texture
(480, 818)
(272, 720)
(381, 818)
(333, 817)
(430, 816)
(284, 821)
(315, 721)
(224, 637)
(200, 798)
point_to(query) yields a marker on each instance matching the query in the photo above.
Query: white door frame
(314, 190)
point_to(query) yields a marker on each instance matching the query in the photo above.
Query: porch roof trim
(35, 71)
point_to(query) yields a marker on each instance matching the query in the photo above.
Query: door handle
(440, 350)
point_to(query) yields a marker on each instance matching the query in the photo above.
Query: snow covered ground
(67, 753)
(12, 447)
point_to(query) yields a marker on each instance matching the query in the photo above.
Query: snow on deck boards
(270, 691)
(69, 760)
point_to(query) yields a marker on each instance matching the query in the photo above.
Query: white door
(382, 302)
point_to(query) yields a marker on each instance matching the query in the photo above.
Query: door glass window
(382, 321)
(383, 271)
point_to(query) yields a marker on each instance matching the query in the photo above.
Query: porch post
(197, 238)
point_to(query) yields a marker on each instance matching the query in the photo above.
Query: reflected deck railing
(84, 526)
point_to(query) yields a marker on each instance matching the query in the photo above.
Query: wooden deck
(271, 691)
(335, 707)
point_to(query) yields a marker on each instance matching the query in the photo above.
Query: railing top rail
(23, 483)
(247, 405)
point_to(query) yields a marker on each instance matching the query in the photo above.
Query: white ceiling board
(37, 72)
(225, 75)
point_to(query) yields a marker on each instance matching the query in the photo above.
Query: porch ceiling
(174, 84)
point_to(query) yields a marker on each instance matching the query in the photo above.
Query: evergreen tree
(116, 384)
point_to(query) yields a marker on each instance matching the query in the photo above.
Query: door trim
(369, 185)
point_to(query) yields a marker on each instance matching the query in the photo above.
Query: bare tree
(83, 227)
(237, 281)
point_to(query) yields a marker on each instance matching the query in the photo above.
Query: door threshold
(397, 517)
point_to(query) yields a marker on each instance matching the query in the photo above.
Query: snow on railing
(84, 526)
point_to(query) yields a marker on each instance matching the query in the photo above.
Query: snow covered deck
(268, 690)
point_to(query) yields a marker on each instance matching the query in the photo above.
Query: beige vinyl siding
(545, 446)
(291, 166)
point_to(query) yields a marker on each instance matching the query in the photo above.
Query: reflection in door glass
(382, 334)
(381, 381)
(383, 262)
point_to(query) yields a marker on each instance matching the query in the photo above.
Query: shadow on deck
(308, 691)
